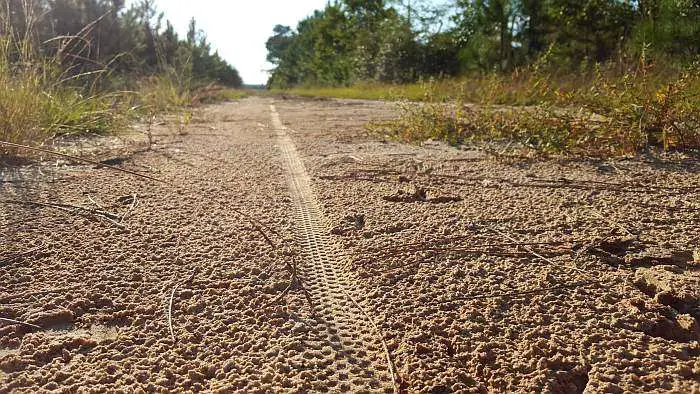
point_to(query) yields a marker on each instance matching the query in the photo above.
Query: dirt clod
(481, 273)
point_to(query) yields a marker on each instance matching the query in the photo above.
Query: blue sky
(238, 29)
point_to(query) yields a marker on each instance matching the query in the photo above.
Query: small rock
(195, 376)
(65, 355)
(298, 328)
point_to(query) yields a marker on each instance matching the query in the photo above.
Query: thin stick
(19, 255)
(574, 183)
(13, 321)
(95, 202)
(131, 208)
(172, 297)
(114, 222)
(257, 225)
(531, 251)
(97, 163)
(172, 294)
(480, 252)
(281, 295)
(170, 312)
(395, 378)
(70, 208)
(474, 249)
(294, 279)
(600, 215)
(445, 240)
(458, 238)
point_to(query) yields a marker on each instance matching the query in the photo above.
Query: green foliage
(406, 41)
(362, 90)
(38, 101)
(347, 42)
(667, 27)
(91, 35)
(208, 66)
(604, 115)
(84, 66)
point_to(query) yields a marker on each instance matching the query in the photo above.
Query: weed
(40, 100)
(601, 116)
(41, 97)
(214, 94)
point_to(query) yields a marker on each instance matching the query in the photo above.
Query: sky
(238, 29)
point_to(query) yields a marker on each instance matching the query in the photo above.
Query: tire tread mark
(346, 322)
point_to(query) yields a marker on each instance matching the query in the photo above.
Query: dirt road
(289, 250)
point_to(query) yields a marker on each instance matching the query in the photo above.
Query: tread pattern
(357, 365)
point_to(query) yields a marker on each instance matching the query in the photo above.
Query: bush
(603, 115)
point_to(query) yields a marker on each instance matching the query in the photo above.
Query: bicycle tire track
(349, 331)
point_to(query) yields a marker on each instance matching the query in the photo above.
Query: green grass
(514, 89)
(365, 91)
(604, 116)
(38, 102)
(603, 111)
(215, 94)
(162, 93)
(35, 105)
(41, 98)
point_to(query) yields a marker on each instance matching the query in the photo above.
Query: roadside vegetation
(90, 67)
(596, 77)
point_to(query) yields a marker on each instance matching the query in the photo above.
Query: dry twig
(422, 247)
(467, 251)
(610, 221)
(132, 206)
(172, 299)
(532, 252)
(395, 378)
(518, 294)
(97, 204)
(97, 163)
(13, 321)
(259, 227)
(295, 279)
(109, 216)
(22, 254)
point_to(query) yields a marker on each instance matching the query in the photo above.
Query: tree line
(400, 41)
(88, 36)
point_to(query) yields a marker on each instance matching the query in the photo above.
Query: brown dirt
(478, 273)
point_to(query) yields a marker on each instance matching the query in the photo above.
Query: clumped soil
(101, 293)
(483, 273)
(493, 273)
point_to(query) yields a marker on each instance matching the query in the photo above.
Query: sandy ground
(290, 250)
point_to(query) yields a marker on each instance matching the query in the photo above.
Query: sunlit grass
(596, 115)
(364, 91)
(36, 105)
(215, 94)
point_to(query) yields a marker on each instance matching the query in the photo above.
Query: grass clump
(92, 75)
(214, 94)
(605, 115)
(377, 91)
(37, 102)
